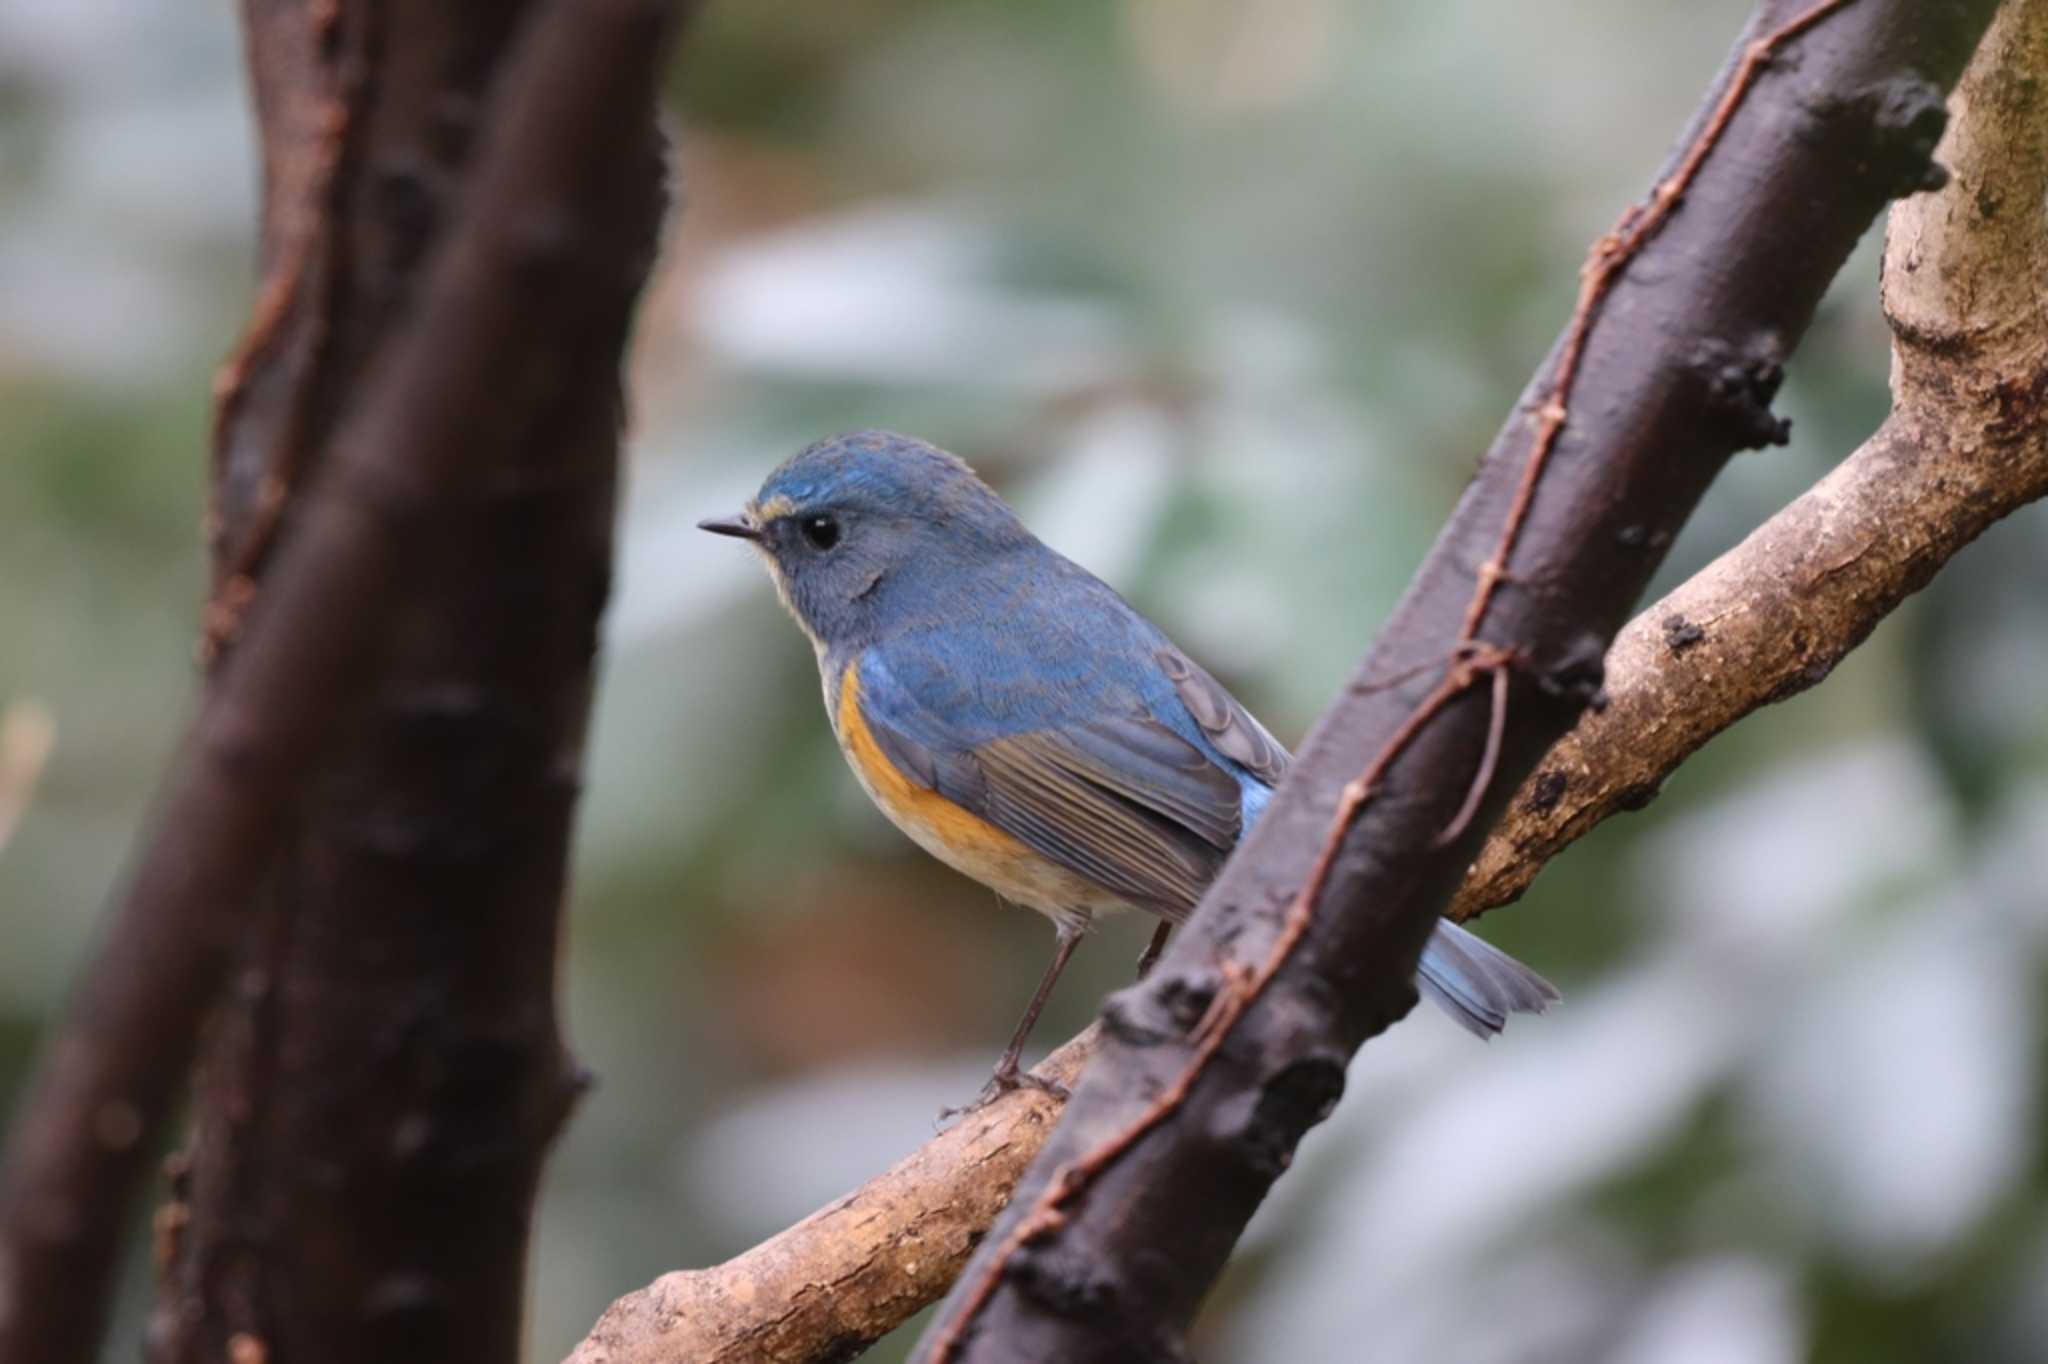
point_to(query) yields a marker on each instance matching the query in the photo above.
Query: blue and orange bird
(1021, 721)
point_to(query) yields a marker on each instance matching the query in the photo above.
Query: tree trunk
(384, 1077)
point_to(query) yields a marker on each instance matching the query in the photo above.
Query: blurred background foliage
(1228, 295)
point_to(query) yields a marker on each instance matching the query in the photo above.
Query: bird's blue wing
(1226, 724)
(1116, 797)
(1127, 798)
(1474, 982)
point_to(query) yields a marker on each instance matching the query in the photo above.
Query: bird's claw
(1001, 1083)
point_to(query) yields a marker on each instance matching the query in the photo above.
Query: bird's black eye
(820, 532)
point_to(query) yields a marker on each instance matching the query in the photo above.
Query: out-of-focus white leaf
(163, 172)
(672, 576)
(785, 1150)
(83, 307)
(1499, 1139)
(1100, 499)
(1734, 1309)
(1898, 1100)
(1775, 873)
(904, 294)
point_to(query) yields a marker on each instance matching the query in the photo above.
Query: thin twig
(1482, 778)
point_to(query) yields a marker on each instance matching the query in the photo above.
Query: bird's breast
(955, 835)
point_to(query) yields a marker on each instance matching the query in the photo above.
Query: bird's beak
(738, 526)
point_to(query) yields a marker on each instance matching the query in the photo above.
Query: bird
(1022, 722)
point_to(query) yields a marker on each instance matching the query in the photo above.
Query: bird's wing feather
(1119, 823)
(1122, 801)
(1227, 724)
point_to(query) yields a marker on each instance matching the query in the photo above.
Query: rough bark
(855, 1269)
(1965, 288)
(386, 1081)
(1214, 1066)
(378, 1094)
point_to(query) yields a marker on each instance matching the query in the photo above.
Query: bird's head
(858, 520)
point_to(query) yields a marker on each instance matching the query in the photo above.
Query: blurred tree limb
(366, 828)
(1966, 443)
(468, 200)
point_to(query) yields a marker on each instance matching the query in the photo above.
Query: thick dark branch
(375, 1103)
(550, 211)
(1966, 444)
(1306, 946)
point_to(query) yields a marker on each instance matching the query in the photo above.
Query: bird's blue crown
(883, 473)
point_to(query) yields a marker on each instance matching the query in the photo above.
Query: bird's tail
(1478, 984)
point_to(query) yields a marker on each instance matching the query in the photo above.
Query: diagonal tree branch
(546, 251)
(858, 1267)
(1767, 619)
(1965, 276)
(1214, 1067)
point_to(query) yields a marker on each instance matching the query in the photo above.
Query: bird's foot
(1150, 956)
(1002, 1082)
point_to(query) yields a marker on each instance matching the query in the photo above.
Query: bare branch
(855, 1269)
(1966, 444)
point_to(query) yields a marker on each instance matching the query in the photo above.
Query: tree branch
(536, 267)
(1766, 620)
(1966, 443)
(1215, 1065)
(855, 1269)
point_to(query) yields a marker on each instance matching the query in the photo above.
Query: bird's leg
(1150, 956)
(1008, 1075)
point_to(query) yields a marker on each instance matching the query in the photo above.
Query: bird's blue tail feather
(1469, 979)
(1478, 984)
